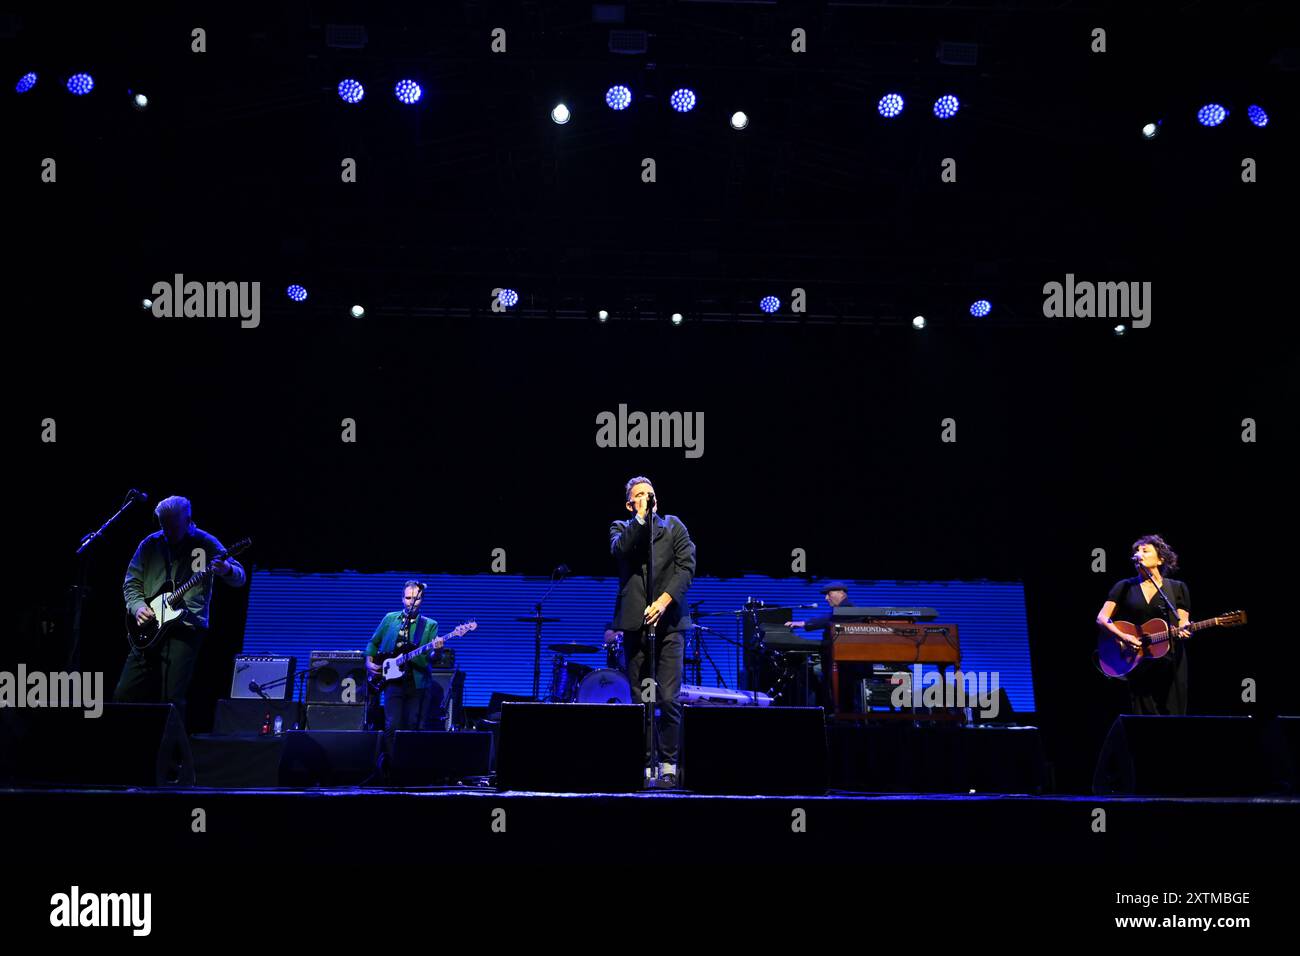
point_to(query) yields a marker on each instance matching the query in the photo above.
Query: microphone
(256, 688)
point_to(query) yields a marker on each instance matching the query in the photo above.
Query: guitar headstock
(1231, 619)
(239, 547)
(463, 628)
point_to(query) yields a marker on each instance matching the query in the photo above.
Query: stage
(484, 826)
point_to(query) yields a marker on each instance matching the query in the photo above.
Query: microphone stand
(556, 578)
(650, 637)
(81, 589)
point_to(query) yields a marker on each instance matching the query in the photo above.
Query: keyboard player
(836, 595)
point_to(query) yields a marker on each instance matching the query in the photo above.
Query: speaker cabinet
(332, 673)
(754, 750)
(128, 745)
(328, 758)
(574, 748)
(1194, 756)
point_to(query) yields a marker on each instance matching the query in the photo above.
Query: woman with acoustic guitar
(1158, 685)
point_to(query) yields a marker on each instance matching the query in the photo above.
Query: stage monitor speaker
(572, 748)
(332, 673)
(328, 758)
(1193, 757)
(244, 717)
(261, 671)
(754, 750)
(336, 717)
(430, 758)
(127, 745)
(237, 762)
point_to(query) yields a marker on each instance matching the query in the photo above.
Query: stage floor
(484, 824)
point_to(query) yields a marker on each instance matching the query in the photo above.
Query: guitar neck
(425, 647)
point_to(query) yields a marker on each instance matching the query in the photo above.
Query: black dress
(1156, 686)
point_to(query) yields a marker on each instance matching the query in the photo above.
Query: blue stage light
(683, 100)
(618, 97)
(351, 91)
(1256, 114)
(25, 83)
(1211, 114)
(770, 303)
(890, 105)
(297, 293)
(946, 106)
(79, 84)
(509, 298)
(408, 91)
(980, 308)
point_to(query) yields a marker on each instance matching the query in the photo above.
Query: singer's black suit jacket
(674, 569)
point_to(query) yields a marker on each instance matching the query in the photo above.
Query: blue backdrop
(291, 613)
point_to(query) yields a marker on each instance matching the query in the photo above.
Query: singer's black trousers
(669, 654)
(162, 674)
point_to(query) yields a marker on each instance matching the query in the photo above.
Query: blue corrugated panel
(290, 613)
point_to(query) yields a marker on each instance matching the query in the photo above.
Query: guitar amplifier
(336, 675)
(261, 671)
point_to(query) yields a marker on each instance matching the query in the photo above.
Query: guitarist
(409, 704)
(164, 671)
(1157, 686)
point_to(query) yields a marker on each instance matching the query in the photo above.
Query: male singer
(673, 569)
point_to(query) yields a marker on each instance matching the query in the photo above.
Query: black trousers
(1160, 686)
(669, 655)
(407, 707)
(162, 674)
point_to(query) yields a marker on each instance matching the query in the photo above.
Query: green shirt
(384, 641)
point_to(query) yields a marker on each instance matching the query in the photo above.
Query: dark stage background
(477, 431)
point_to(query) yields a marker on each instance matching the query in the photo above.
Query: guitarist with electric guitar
(168, 594)
(1144, 624)
(398, 661)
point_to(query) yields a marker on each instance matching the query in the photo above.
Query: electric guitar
(1117, 658)
(392, 664)
(168, 604)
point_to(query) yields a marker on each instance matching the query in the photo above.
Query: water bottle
(279, 725)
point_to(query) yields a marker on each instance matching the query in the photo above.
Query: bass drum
(605, 686)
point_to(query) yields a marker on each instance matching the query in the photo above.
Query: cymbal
(574, 649)
(534, 619)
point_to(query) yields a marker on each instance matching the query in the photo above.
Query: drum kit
(573, 682)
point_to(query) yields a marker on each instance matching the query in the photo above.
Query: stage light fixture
(1211, 114)
(408, 92)
(946, 106)
(79, 84)
(351, 91)
(683, 100)
(618, 97)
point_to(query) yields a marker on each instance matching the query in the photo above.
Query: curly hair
(1166, 553)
